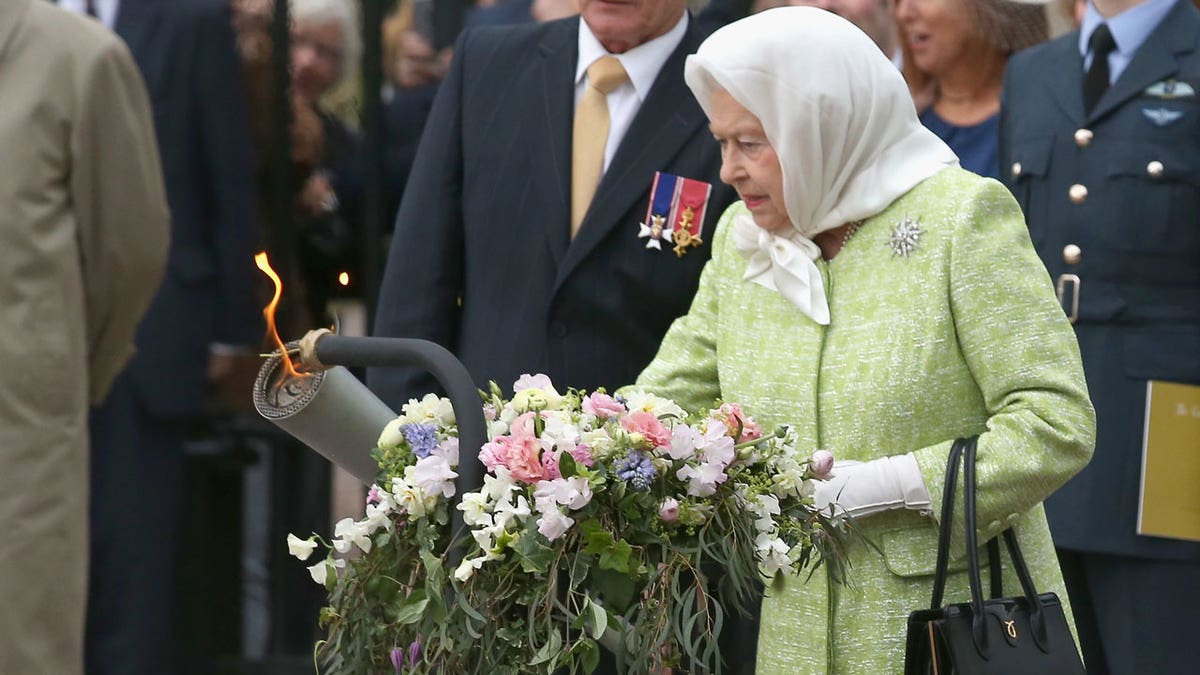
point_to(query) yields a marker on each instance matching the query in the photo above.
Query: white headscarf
(839, 116)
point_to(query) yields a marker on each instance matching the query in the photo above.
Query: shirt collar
(642, 63)
(1129, 28)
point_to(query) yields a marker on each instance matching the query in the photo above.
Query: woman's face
(748, 162)
(939, 32)
(317, 53)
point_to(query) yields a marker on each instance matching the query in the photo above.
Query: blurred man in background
(83, 240)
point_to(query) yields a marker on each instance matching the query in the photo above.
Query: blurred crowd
(214, 96)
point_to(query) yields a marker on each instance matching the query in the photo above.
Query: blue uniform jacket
(1113, 197)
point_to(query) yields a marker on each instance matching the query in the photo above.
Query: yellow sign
(1170, 498)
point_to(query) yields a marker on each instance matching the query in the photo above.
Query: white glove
(861, 489)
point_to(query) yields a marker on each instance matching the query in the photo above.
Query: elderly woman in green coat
(884, 302)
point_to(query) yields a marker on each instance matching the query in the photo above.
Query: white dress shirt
(642, 63)
(106, 10)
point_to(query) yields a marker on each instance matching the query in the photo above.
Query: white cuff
(862, 489)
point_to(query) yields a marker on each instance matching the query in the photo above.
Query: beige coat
(83, 241)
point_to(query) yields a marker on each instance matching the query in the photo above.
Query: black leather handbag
(1025, 634)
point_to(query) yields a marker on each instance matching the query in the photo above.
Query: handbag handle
(1036, 618)
(943, 554)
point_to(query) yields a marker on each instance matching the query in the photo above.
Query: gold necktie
(590, 134)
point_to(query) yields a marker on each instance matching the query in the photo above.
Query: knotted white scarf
(839, 117)
(785, 263)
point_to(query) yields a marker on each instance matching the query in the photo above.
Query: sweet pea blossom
(668, 511)
(682, 444)
(602, 405)
(434, 476)
(506, 511)
(348, 531)
(301, 548)
(640, 401)
(821, 464)
(702, 479)
(554, 524)
(474, 506)
(320, 571)
(714, 444)
(574, 493)
(467, 568)
(583, 455)
(773, 554)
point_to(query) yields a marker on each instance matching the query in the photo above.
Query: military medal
(676, 213)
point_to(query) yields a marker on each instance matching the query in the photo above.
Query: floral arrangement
(603, 520)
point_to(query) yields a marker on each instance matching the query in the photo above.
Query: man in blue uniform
(1100, 142)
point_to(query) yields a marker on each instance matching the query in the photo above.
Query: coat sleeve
(225, 149)
(1023, 355)
(685, 368)
(121, 208)
(422, 281)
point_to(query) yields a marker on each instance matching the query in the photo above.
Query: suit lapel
(666, 120)
(1065, 80)
(1155, 60)
(555, 77)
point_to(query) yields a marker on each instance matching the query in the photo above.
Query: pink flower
(733, 417)
(523, 425)
(602, 405)
(373, 495)
(496, 453)
(550, 465)
(525, 458)
(821, 464)
(583, 455)
(668, 512)
(647, 424)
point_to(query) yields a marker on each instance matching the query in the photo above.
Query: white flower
(541, 399)
(715, 444)
(320, 571)
(429, 410)
(496, 428)
(409, 499)
(301, 548)
(702, 479)
(554, 524)
(348, 531)
(474, 506)
(682, 444)
(560, 431)
(574, 493)
(466, 569)
(377, 516)
(486, 536)
(658, 406)
(497, 487)
(598, 440)
(434, 476)
(505, 511)
(391, 437)
(765, 506)
(447, 448)
(772, 554)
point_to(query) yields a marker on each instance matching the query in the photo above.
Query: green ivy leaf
(616, 558)
(617, 589)
(535, 556)
(412, 608)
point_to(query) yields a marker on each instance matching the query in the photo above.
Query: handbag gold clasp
(1010, 627)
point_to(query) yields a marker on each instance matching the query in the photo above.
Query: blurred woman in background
(954, 57)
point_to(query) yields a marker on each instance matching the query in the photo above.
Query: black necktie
(1095, 83)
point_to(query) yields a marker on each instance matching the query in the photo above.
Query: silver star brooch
(905, 236)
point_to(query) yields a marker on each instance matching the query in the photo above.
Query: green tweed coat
(962, 336)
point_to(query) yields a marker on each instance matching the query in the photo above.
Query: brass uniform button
(1072, 254)
(1083, 137)
(1078, 193)
(1016, 169)
(1155, 169)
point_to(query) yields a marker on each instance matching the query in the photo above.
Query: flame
(344, 279)
(260, 259)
